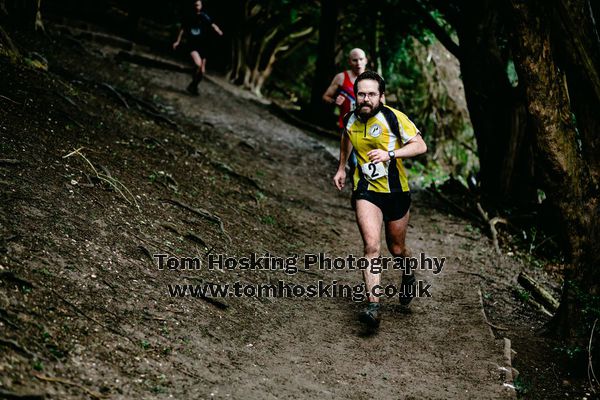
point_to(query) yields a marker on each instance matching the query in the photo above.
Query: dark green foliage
(397, 42)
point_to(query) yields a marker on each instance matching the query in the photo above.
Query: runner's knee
(396, 250)
(399, 250)
(197, 62)
(372, 249)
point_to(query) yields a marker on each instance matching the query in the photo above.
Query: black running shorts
(394, 206)
(199, 49)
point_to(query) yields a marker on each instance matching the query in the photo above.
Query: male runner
(381, 137)
(341, 89)
(194, 28)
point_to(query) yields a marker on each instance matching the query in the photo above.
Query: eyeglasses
(361, 95)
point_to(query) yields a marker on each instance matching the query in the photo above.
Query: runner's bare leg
(199, 62)
(370, 218)
(395, 236)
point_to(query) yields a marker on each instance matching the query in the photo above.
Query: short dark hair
(373, 76)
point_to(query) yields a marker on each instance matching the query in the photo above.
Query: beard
(367, 110)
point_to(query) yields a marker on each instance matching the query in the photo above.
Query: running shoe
(371, 315)
(192, 89)
(408, 289)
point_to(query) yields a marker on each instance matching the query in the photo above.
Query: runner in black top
(195, 29)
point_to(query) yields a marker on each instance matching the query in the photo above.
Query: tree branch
(6, 40)
(584, 56)
(439, 32)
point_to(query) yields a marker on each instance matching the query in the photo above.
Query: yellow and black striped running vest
(387, 130)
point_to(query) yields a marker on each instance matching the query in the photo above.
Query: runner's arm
(217, 29)
(179, 36)
(412, 148)
(339, 179)
(329, 94)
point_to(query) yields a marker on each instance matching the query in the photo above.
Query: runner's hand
(175, 45)
(339, 100)
(339, 180)
(378, 155)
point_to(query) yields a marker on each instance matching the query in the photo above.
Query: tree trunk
(22, 13)
(566, 156)
(264, 33)
(132, 22)
(576, 40)
(325, 68)
(496, 108)
(7, 46)
(375, 37)
(39, 22)
(239, 16)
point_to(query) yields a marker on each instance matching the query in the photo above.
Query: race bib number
(352, 105)
(374, 171)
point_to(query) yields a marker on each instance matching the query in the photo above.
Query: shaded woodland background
(526, 147)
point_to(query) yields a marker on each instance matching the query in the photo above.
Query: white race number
(374, 171)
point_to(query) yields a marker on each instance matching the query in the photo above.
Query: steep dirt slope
(84, 309)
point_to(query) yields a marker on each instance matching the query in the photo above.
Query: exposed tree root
(9, 276)
(10, 395)
(13, 52)
(499, 328)
(203, 213)
(229, 171)
(219, 304)
(540, 294)
(115, 93)
(188, 234)
(151, 62)
(83, 314)
(492, 226)
(461, 211)
(149, 109)
(90, 392)
(9, 99)
(474, 274)
(16, 346)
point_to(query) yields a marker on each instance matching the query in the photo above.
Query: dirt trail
(122, 335)
(442, 348)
